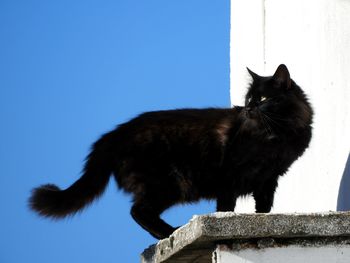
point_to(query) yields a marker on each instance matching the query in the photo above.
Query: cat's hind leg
(147, 215)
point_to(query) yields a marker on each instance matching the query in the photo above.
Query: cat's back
(194, 131)
(184, 115)
(178, 119)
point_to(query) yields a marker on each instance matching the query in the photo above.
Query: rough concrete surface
(195, 241)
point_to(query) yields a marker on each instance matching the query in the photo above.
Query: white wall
(290, 254)
(313, 39)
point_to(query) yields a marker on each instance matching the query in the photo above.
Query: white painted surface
(313, 39)
(290, 254)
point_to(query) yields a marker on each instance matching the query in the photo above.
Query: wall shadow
(343, 203)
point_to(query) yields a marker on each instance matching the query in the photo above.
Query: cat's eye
(263, 98)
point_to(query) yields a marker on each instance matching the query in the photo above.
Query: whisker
(275, 116)
(268, 124)
(265, 123)
(272, 120)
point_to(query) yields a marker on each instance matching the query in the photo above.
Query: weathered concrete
(196, 241)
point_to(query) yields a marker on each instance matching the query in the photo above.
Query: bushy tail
(49, 201)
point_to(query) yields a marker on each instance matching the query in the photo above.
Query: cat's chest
(254, 157)
(250, 148)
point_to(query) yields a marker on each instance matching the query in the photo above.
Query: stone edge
(231, 226)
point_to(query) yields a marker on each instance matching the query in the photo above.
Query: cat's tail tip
(49, 201)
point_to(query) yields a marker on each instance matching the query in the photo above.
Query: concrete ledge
(195, 241)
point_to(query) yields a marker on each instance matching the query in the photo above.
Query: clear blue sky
(71, 70)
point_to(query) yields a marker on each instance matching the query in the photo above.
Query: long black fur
(167, 157)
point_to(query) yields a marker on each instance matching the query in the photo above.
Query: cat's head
(277, 98)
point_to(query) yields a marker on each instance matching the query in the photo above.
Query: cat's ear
(253, 75)
(282, 77)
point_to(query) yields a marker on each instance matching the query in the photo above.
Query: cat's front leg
(264, 197)
(226, 202)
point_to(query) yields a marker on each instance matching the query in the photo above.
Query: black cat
(168, 157)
